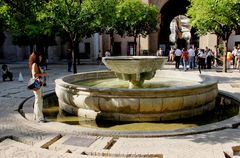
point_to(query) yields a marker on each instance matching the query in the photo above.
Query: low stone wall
(155, 104)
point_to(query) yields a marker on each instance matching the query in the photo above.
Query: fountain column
(96, 45)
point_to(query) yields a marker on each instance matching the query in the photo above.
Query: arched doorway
(170, 10)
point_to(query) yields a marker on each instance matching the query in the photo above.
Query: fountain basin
(149, 104)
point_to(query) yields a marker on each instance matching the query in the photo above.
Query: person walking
(229, 59)
(34, 61)
(172, 55)
(99, 58)
(185, 56)
(209, 59)
(238, 59)
(202, 58)
(234, 57)
(107, 53)
(191, 58)
(178, 54)
(159, 52)
(69, 60)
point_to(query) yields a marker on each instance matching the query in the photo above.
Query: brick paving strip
(20, 137)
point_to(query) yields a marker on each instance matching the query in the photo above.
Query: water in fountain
(225, 108)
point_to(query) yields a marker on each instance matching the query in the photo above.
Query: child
(6, 73)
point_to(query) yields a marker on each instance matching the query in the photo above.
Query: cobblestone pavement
(20, 137)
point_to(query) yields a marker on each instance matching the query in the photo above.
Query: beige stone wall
(232, 39)
(160, 3)
(144, 43)
(209, 40)
(13, 52)
(153, 43)
(105, 43)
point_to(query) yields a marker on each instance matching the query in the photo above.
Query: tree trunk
(225, 56)
(73, 41)
(74, 56)
(135, 45)
(111, 42)
(139, 45)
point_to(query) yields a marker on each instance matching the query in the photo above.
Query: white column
(96, 45)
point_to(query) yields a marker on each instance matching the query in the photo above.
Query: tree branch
(18, 8)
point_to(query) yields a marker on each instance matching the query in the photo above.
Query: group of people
(191, 58)
(202, 58)
(107, 54)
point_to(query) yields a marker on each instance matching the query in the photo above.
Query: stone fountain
(135, 103)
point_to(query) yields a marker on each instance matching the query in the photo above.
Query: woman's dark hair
(33, 58)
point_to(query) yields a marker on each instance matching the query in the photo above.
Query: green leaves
(21, 19)
(212, 15)
(135, 17)
(74, 17)
(78, 18)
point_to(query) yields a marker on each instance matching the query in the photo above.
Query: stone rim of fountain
(62, 127)
(95, 102)
(206, 82)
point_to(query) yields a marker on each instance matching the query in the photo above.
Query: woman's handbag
(34, 84)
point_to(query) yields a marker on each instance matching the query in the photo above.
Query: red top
(185, 55)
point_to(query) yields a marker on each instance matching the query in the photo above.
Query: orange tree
(134, 18)
(219, 17)
(19, 17)
(75, 17)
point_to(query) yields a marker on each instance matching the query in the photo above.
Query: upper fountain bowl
(134, 69)
(134, 64)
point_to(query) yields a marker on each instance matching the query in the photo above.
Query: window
(237, 32)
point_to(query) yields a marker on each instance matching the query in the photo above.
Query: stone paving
(22, 137)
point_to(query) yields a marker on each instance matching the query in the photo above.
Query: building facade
(90, 48)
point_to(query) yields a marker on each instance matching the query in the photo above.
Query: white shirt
(159, 52)
(107, 54)
(191, 52)
(178, 52)
(234, 52)
(209, 53)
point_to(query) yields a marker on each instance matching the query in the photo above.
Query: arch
(169, 10)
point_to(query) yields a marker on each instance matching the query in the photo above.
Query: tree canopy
(219, 17)
(106, 15)
(20, 18)
(134, 18)
(38, 21)
(75, 17)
